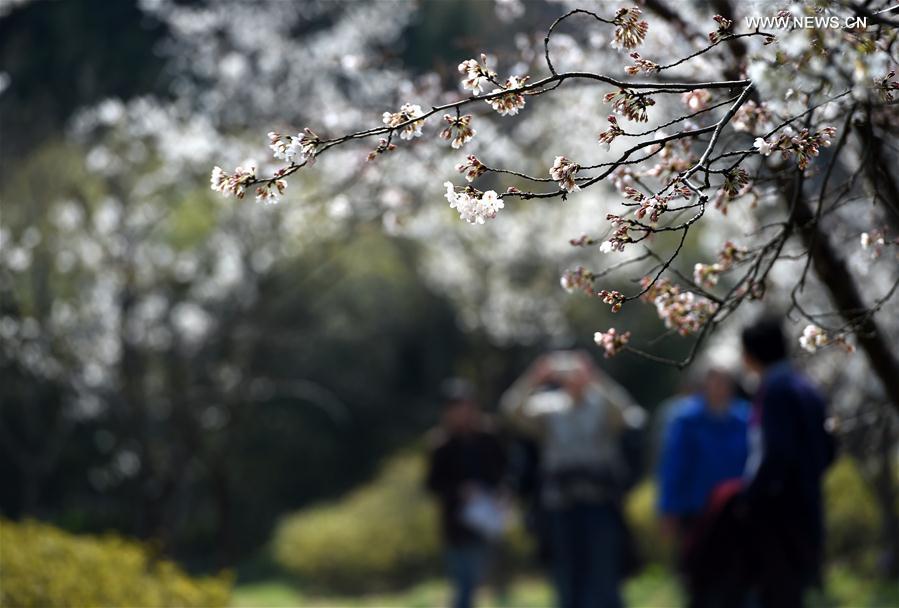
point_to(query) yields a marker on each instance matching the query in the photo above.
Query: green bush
(852, 516)
(380, 537)
(384, 534)
(42, 567)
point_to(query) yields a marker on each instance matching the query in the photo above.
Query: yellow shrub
(44, 567)
(642, 517)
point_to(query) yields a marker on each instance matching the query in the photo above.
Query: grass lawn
(655, 588)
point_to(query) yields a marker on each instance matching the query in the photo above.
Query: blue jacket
(701, 449)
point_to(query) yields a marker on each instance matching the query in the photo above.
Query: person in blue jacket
(705, 444)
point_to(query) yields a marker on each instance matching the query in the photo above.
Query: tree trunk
(834, 274)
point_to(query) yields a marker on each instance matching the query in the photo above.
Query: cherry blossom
(697, 99)
(407, 112)
(812, 338)
(631, 31)
(629, 104)
(579, 279)
(613, 298)
(763, 147)
(753, 118)
(471, 167)
(641, 65)
(295, 150)
(510, 103)
(564, 171)
(474, 207)
(608, 136)
(611, 341)
(477, 75)
(459, 130)
(271, 191)
(724, 28)
(682, 311)
(233, 184)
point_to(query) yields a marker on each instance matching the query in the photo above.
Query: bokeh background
(207, 401)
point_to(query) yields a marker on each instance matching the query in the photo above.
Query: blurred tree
(59, 56)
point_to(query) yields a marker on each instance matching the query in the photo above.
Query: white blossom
(563, 171)
(472, 208)
(407, 112)
(763, 146)
(477, 75)
(812, 338)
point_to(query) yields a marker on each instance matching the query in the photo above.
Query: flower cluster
(270, 192)
(683, 311)
(459, 130)
(629, 104)
(753, 118)
(725, 26)
(477, 75)
(579, 279)
(805, 144)
(471, 167)
(630, 31)
(384, 145)
(641, 65)
(473, 206)
(296, 149)
(408, 112)
(563, 171)
(735, 181)
(509, 103)
(707, 275)
(874, 242)
(736, 184)
(697, 99)
(812, 338)
(611, 341)
(608, 136)
(233, 184)
(613, 298)
(654, 205)
(581, 241)
(620, 238)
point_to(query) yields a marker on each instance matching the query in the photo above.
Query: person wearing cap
(466, 467)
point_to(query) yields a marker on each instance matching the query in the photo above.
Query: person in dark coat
(466, 466)
(790, 449)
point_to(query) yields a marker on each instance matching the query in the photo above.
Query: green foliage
(380, 537)
(42, 566)
(385, 533)
(853, 520)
